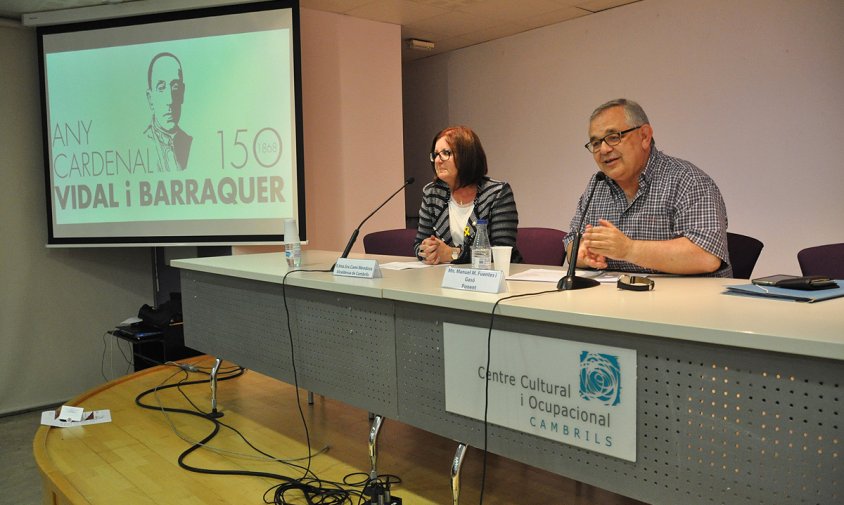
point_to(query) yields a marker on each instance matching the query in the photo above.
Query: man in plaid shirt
(653, 213)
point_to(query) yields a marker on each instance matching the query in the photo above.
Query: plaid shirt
(675, 199)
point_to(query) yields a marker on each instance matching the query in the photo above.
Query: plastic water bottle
(481, 250)
(292, 247)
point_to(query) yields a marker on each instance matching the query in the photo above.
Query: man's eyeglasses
(612, 139)
(444, 155)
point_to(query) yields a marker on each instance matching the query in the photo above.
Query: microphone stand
(571, 281)
(214, 412)
(456, 465)
(355, 233)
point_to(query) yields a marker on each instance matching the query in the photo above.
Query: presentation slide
(176, 131)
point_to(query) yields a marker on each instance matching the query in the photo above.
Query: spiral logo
(600, 378)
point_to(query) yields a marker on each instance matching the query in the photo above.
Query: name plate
(364, 269)
(471, 279)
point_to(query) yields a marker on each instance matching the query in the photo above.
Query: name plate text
(364, 269)
(471, 279)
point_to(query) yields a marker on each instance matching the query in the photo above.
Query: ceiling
(449, 24)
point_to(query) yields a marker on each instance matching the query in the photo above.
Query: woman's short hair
(468, 153)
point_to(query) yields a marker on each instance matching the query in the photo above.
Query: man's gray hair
(633, 111)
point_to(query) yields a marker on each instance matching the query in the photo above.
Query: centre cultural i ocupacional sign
(572, 392)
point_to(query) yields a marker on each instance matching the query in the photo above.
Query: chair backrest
(541, 246)
(823, 260)
(398, 242)
(744, 251)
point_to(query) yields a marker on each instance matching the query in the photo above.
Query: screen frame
(182, 239)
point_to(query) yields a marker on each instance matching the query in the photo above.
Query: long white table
(739, 398)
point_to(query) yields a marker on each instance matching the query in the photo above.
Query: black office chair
(823, 260)
(541, 246)
(398, 242)
(744, 251)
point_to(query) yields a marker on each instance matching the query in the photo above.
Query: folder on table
(797, 295)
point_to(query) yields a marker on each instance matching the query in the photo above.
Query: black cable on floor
(309, 486)
(324, 492)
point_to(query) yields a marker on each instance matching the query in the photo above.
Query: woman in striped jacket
(460, 194)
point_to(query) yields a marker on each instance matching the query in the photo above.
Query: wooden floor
(133, 460)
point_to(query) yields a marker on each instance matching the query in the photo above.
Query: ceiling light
(419, 44)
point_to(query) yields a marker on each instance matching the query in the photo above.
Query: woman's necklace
(468, 195)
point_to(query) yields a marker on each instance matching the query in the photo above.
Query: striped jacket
(493, 202)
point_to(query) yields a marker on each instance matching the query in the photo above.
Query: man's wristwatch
(455, 253)
(634, 283)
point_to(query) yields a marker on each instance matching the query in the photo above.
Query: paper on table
(403, 265)
(51, 418)
(547, 275)
(610, 277)
(70, 413)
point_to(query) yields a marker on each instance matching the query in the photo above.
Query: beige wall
(352, 104)
(749, 90)
(55, 304)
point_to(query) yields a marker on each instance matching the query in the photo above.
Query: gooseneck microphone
(571, 281)
(355, 233)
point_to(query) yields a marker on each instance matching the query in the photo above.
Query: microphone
(571, 281)
(355, 233)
